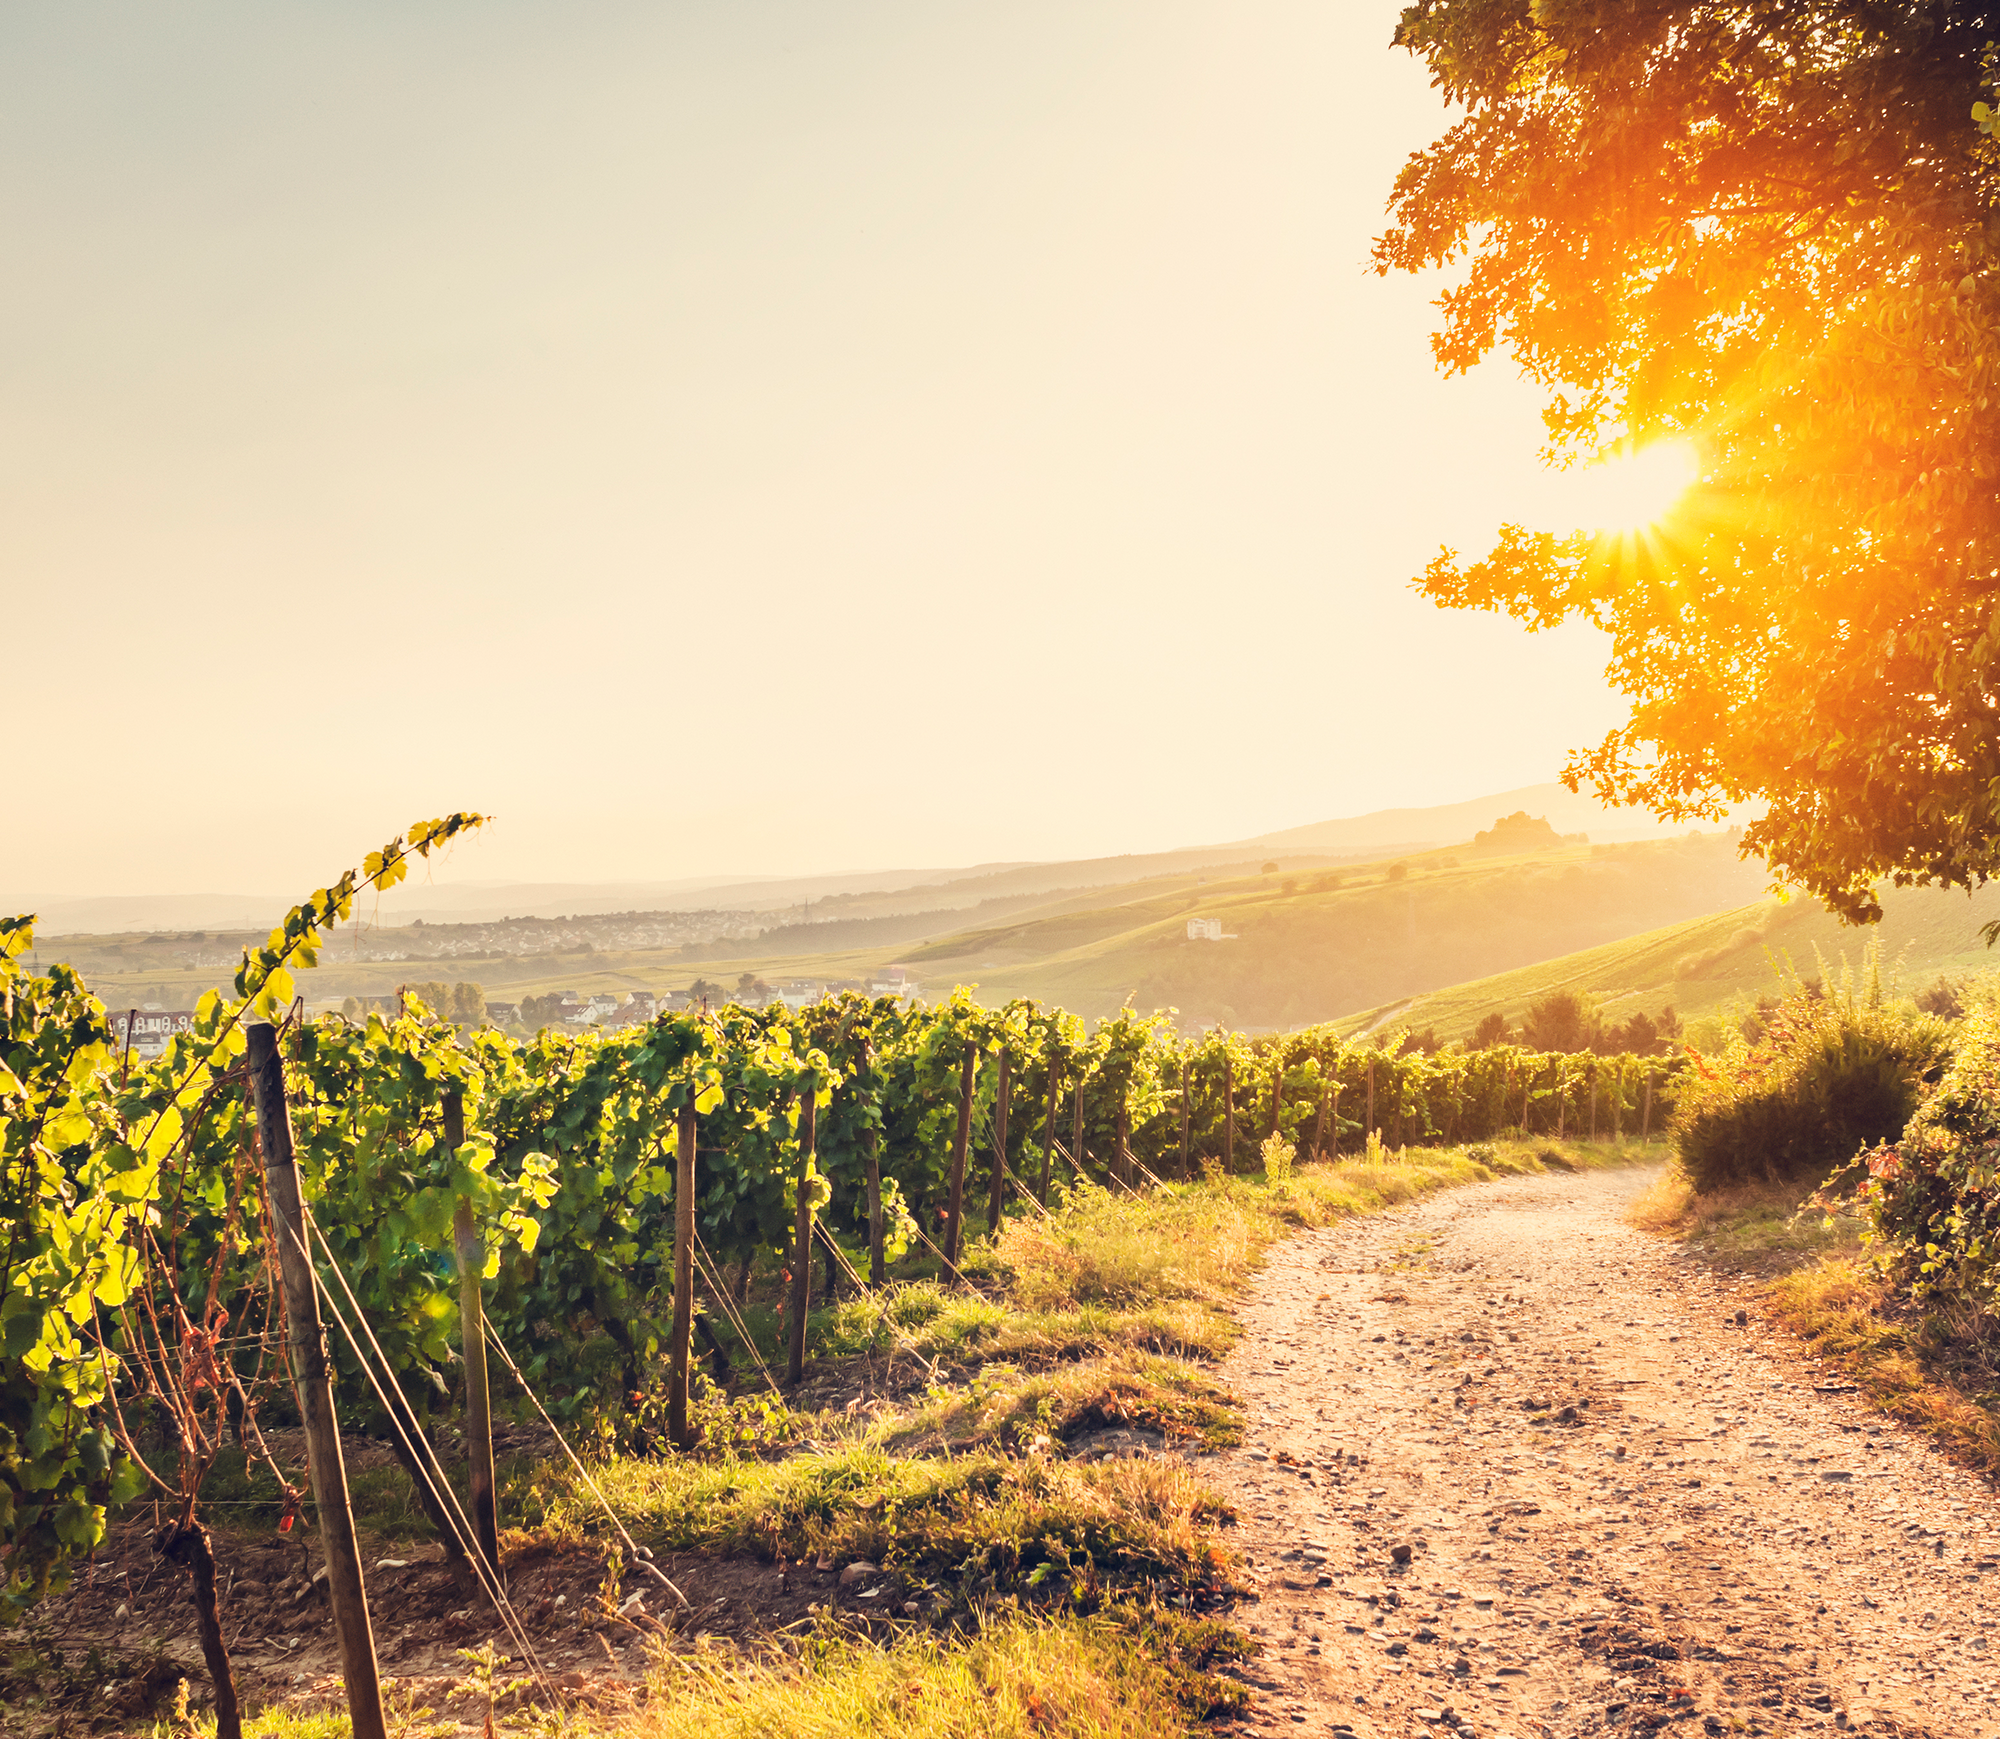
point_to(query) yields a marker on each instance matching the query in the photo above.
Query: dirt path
(1709, 1539)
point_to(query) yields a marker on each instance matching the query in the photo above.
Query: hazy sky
(759, 436)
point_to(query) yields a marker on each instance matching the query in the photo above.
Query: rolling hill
(1301, 942)
(1726, 960)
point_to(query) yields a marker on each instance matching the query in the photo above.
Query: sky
(757, 438)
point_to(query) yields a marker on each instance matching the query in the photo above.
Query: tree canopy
(1767, 229)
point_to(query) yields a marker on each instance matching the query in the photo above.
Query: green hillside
(1724, 961)
(1315, 947)
(1301, 943)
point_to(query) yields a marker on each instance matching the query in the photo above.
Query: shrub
(1278, 1154)
(1933, 1197)
(1945, 998)
(1832, 1073)
(1562, 1020)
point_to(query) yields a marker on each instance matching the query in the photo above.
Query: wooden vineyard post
(1646, 1129)
(1333, 1113)
(1228, 1115)
(1076, 1128)
(1277, 1099)
(802, 1249)
(878, 1266)
(1562, 1096)
(1319, 1126)
(1617, 1101)
(1002, 1091)
(955, 1207)
(678, 1430)
(1593, 1098)
(470, 1248)
(315, 1391)
(1369, 1122)
(1049, 1127)
(1184, 1118)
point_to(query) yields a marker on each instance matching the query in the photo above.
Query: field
(1724, 961)
(1306, 941)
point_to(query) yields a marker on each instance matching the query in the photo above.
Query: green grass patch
(1003, 1408)
(974, 1524)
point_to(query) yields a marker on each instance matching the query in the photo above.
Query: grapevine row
(137, 1281)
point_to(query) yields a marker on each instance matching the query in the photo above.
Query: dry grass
(1018, 1679)
(1763, 1226)
(1937, 1370)
(1202, 1241)
(1129, 1674)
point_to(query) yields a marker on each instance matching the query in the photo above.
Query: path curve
(1708, 1538)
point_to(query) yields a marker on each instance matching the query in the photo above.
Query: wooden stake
(1184, 1117)
(878, 1266)
(1228, 1115)
(1319, 1126)
(315, 1391)
(1076, 1128)
(1369, 1122)
(470, 1248)
(1593, 1098)
(1003, 1089)
(1277, 1099)
(802, 1249)
(1646, 1132)
(1049, 1126)
(678, 1428)
(955, 1207)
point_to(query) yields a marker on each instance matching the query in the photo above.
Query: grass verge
(1129, 1674)
(977, 1524)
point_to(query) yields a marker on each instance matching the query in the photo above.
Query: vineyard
(594, 1201)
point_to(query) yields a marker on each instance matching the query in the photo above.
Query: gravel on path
(1513, 1467)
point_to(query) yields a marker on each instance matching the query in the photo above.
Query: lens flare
(1637, 488)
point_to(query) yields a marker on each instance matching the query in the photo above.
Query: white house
(148, 1029)
(1204, 929)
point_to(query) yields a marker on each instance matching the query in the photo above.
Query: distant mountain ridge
(877, 893)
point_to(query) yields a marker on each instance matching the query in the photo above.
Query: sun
(1636, 488)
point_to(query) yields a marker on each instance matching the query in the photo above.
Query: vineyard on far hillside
(140, 1312)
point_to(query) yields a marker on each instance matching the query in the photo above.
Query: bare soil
(1514, 1467)
(110, 1654)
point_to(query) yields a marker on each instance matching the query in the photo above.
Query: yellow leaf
(166, 1131)
(69, 1127)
